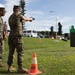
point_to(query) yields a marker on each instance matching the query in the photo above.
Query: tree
(22, 4)
(51, 32)
(59, 28)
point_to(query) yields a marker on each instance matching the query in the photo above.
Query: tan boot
(22, 70)
(11, 69)
(1, 64)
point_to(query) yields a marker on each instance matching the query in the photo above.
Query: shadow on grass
(11, 73)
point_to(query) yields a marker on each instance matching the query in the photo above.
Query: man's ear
(0, 12)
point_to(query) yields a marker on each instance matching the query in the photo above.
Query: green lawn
(54, 57)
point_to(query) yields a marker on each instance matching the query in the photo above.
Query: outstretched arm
(25, 19)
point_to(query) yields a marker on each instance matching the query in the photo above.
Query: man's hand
(32, 18)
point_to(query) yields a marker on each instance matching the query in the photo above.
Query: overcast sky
(63, 11)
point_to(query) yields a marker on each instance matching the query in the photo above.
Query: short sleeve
(22, 17)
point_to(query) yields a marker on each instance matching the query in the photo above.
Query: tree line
(52, 32)
(59, 32)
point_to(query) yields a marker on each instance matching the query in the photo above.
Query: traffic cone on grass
(39, 40)
(34, 67)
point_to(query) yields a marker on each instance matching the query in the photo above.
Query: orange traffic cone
(34, 67)
(40, 40)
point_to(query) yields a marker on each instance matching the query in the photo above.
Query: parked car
(40, 35)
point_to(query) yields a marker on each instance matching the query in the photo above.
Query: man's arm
(25, 19)
(5, 31)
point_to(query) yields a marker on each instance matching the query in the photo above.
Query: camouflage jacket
(15, 23)
(1, 28)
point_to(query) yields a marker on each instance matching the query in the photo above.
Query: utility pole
(23, 4)
(56, 20)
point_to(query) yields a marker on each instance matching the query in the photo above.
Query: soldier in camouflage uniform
(2, 33)
(15, 39)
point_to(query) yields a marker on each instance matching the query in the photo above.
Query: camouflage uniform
(15, 39)
(1, 39)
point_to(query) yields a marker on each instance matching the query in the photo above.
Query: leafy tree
(51, 32)
(23, 4)
(59, 28)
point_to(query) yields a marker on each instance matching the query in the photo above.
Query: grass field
(54, 57)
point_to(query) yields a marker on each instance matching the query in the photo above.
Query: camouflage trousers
(1, 49)
(15, 43)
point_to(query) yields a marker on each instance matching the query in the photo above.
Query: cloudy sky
(62, 11)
